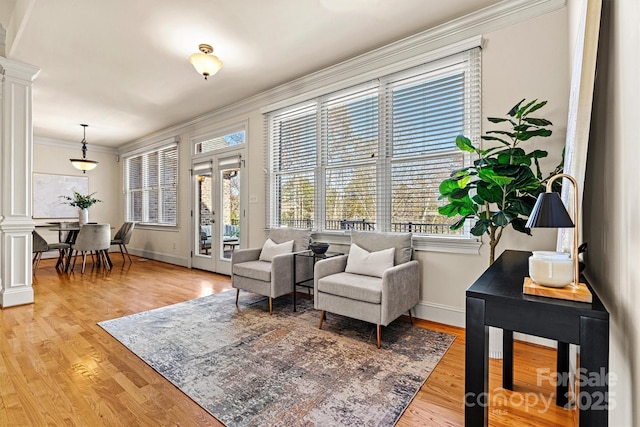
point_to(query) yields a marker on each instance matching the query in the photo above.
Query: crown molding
(72, 145)
(362, 67)
(18, 69)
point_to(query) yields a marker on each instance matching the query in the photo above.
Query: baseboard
(158, 256)
(545, 342)
(455, 316)
(20, 296)
(440, 313)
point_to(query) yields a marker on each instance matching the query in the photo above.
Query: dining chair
(122, 238)
(69, 236)
(40, 245)
(93, 238)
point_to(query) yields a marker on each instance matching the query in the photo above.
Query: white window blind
(292, 162)
(371, 157)
(151, 183)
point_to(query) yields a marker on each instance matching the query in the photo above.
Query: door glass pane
(205, 213)
(230, 223)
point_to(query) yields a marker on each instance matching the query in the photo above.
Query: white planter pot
(83, 216)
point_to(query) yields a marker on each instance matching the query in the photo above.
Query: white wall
(526, 60)
(612, 201)
(174, 244)
(53, 158)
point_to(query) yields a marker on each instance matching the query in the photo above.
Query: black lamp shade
(549, 211)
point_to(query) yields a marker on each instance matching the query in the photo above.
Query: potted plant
(83, 203)
(501, 187)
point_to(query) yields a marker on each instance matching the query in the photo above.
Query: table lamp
(549, 211)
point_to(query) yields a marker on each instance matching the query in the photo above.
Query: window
(151, 182)
(371, 157)
(207, 144)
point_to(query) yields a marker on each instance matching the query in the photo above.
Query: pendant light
(204, 62)
(84, 164)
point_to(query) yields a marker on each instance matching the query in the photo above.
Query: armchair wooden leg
(410, 317)
(270, 305)
(237, 295)
(321, 319)
(378, 328)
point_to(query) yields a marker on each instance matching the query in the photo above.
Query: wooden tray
(581, 293)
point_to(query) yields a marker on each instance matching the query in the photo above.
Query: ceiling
(122, 66)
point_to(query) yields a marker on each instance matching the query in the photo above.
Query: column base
(13, 297)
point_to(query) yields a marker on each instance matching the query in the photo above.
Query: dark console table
(315, 257)
(496, 299)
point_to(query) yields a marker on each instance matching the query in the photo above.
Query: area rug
(247, 368)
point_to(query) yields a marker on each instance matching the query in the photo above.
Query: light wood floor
(58, 367)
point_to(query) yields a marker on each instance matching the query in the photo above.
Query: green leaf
(503, 132)
(481, 227)
(538, 154)
(518, 224)
(521, 128)
(522, 110)
(508, 170)
(538, 122)
(464, 143)
(461, 172)
(448, 210)
(461, 207)
(477, 199)
(502, 218)
(524, 136)
(448, 186)
(463, 181)
(536, 107)
(459, 193)
(491, 194)
(524, 179)
(497, 119)
(458, 224)
(504, 158)
(495, 138)
(515, 109)
(521, 206)
(490, 175)
(491, 150)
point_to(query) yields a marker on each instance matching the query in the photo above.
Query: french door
(217, 211)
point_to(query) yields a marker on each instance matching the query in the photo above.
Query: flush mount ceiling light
(205, 63)
(84, 164)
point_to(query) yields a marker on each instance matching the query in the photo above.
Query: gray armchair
(272, 278)
(378, 300)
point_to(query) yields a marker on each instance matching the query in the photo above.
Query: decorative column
(16, 165)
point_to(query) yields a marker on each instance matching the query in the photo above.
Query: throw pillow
(270, 249)
(361, 261)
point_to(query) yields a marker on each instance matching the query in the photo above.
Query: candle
(553, 269)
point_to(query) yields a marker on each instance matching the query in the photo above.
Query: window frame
(219, 133)
(465, 243)
(144, 155)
